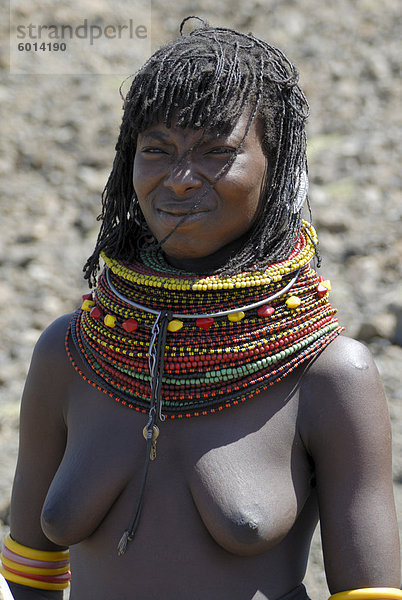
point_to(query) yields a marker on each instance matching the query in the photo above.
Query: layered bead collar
(226, 340)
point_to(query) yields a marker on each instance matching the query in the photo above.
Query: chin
(186, 247)
(184, 253)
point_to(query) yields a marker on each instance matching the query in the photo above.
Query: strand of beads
(192, 403)
(153, 272)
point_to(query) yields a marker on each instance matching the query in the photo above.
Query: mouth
(181, 209)
(172, 212)
(181, 213)
(172, 218)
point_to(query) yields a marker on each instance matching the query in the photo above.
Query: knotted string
(156, 365)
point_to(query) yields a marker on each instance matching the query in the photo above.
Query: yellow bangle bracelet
(41, 585)
(383, 593)
(35, 554)
(33, 570)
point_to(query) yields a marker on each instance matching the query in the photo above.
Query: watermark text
(84, 31)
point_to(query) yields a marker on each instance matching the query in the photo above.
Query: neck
(205, 265)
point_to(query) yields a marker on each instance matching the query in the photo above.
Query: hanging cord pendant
(150, 432)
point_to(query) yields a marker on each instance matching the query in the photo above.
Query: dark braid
(208, 79)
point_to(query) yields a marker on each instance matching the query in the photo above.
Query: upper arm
(346, 430)
(42, 435)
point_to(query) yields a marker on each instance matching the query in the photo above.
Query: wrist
(34, 568)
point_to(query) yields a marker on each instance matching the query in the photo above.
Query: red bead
(265, 311)
(321, 290)
(130, 325)
(204, 322)
(87, 296)
(96, 313)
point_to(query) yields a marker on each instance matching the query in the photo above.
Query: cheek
(146, 175)
(242, 194)
(248, 173)
(138, 178)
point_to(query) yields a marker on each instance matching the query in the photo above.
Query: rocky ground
(57, 146)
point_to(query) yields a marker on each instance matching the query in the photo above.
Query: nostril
(182, 181)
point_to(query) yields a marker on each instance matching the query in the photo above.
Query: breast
(99, 463)
(249, 499)
(79, 497)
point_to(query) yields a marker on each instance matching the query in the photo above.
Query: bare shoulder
(342, 388)
(342, 356)
(52, 338)
(50, 370)
(344, 364)
(50, 347)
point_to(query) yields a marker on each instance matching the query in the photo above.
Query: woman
(239, 413)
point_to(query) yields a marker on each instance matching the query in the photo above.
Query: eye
(152, 150)
(222, 150)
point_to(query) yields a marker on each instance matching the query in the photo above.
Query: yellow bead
(236, 316)
(293, 302)
(327, 284)
(175, 325)
(109, 320)
(87, 305)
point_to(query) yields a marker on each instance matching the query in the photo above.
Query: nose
(183, 177)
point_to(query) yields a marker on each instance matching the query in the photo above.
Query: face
(172, 171)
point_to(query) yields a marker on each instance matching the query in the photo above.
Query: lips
(181, 209)
(184, 220)
(179, 212)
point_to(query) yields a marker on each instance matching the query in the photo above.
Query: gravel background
(57, 145)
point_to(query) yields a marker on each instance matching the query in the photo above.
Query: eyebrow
(210, 138)
(161, 136)
(156, 135)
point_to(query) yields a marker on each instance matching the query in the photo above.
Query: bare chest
(243, 474)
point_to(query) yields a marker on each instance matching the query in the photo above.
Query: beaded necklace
(173, 344)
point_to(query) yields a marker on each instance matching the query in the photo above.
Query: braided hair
(206, 80)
